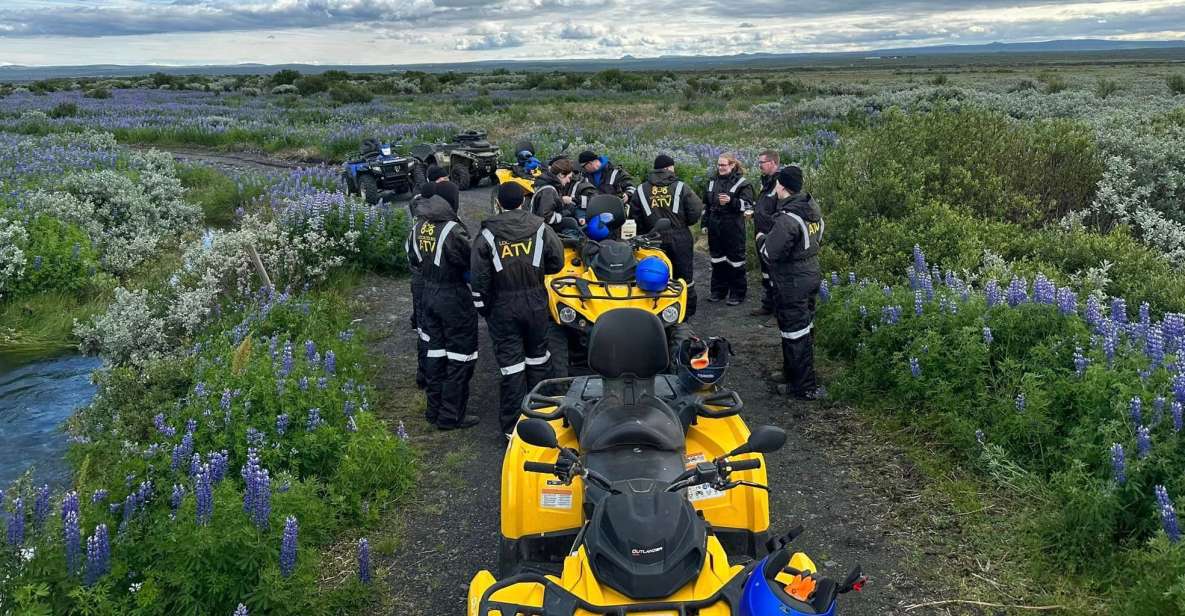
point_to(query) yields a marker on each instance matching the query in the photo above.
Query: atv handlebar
(742, 465)
(539, 467)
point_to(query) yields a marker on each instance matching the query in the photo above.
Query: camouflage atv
(467, 159)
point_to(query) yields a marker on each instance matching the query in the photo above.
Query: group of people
(498, 272)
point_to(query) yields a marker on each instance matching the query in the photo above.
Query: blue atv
(379, 174)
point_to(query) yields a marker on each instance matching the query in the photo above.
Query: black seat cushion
(627, 342)
(614, 262)
(649, 423)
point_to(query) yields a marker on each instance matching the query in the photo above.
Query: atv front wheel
(369, 186)
(460, 176)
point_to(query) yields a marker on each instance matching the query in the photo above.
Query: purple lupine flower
(72, 540)
(987, 335)
(917, 303)
(286, 361)
(218, 462)
(261, 510)
(852, 278)
(1179, 385)
(1158, 408)
(1018, 291)
(980, 437)
(1067, 301)
(1154, 345)
(195, 464)
(1110, 340)
(41, 506)
(863, 312)
(1118, 464)
(824, 291)
(98, 555)
(16, 523)
(282, 424)
(322, 383)
(303, 383)
(240, 611)
(919, 259)
(351, 425)
(288, 547)
(99, 496)
(914, 367)
(225, 402)
(330, 362)
(1094, 312)
(1020, 402)
(1145, 313)
(346, 336)
(1173, 327)
(1143, 442)
(69, 503)
(349, 408)
(834, 279)
(364, 560)
(203, 491)
(1168, 514)
(1135, 409)
(310, 351)
(175, 500)
(1119, 310)
(1044, 292)
(199, 390)
(1080, 362)
(887, 290)
(1175, 411)
(248, 473)
(254, 437)
(401, 431)
(992, 293)
(314, 420)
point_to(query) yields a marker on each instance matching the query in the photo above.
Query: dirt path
(858, 497)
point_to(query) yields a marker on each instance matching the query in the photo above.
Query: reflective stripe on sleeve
(493, 249)
(440, 241)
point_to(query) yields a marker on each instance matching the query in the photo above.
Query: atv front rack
(582, 289)
(557, 601)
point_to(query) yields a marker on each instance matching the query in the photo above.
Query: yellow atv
(634, 498)
(523, 173)
(608, 274)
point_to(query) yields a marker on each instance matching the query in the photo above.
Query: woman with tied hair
(550, 201)
(729, 199)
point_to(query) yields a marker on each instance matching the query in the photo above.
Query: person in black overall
(551, 201)
(440, 249)
(664, 196)
(791, 249)
(727, 203)
(763, 211)
(513, 253)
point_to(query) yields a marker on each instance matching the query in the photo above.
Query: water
(35, 398)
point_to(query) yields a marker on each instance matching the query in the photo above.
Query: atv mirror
(662, 225)
(539, 433)
(764, 439)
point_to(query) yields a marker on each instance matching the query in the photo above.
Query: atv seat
(628, 348)
(611, 261)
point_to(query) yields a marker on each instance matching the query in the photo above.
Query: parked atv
(378, 174)
(524, 171)
(467, 159)
(637, 499)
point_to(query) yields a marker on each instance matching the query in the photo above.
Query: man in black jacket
(763, 212)
(791, 249)
(550, 201)
(663, 196)
(607, 178)
(510, 257)
(440, 248)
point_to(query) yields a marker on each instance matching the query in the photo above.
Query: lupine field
(1008, 255)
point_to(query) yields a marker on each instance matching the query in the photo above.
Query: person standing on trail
(664, 196)
(440, 248)
(515, 250)
(729, 200)
(604, 176)
(791, 249)
(551, 201)
(763, 212)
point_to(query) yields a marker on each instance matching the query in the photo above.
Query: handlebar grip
(743, 465)
(539, 467)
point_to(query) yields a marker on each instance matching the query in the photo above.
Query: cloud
(581, 31)
(502, 40)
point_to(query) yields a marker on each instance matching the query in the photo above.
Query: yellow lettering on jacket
(660, 196)
(813, 228)
(427, 238)
(515, 249)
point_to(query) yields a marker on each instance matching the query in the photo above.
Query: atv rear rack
(573, 287)
(557, 601)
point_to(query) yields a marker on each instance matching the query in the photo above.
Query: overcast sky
(67, 32)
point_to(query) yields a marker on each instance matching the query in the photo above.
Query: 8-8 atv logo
(427, 239)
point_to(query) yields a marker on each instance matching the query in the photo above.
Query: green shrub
(59, 257)
(311, 84)
(1053, 82)
(346, 93)
(1176, 83)
(1106, 87)
(98, 93)
(64, 110)
(285, 77)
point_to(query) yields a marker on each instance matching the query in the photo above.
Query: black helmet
(701, 362)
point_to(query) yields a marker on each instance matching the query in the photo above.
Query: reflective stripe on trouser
(518, 329)
(450, 323)
(796, 322)
(767, 286)
(679, 248)
(726, 244)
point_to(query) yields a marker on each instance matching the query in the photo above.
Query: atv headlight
(670, 314)
(567, 315)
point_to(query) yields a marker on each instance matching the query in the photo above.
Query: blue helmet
(760, 599)
(652, 274)
(598, 228)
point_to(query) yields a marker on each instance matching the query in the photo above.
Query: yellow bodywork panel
(578, 579)
(534, 504)
(624, 295)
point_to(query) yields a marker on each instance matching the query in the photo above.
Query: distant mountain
(1082, 50)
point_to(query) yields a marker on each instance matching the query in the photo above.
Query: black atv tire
(419, 177)
(509, 562)
(460, 176)
(351, 184)
(368, 185)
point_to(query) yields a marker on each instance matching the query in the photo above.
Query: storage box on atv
(467, 159)
(379, 173)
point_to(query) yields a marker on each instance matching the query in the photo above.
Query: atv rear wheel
(460, 176)
(369, 186)
(351, 184)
